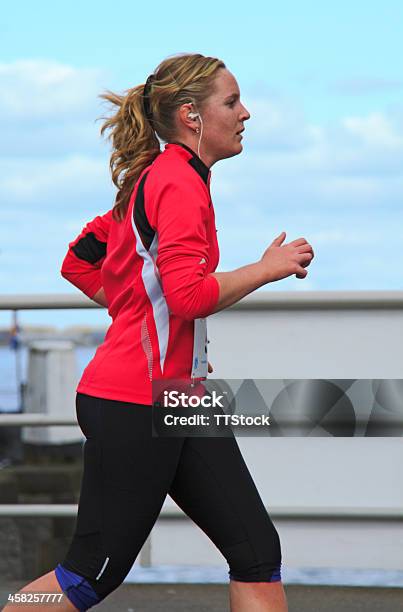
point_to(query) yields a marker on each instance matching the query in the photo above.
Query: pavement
(214, 598)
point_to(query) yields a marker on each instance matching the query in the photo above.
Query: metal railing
(278, 512)
(261, 300)
(258, 300)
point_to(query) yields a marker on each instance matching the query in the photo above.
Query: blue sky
(323, 149)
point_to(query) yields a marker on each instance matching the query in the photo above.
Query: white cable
(200, 137)
(193, 115)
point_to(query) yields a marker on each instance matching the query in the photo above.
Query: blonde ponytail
(134, 143)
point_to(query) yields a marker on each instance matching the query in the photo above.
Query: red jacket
(155, 269)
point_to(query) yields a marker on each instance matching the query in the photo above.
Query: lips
(243, 129)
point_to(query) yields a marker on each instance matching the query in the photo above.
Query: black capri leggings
(127, 475)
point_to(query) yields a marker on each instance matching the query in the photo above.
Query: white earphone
(194, 116)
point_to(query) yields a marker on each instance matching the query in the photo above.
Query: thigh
(215, 489)
(127, 474)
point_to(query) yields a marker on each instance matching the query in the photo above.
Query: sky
(322, 152)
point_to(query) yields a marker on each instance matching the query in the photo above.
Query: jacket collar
(195, 161)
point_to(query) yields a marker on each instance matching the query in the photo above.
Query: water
(290, 575)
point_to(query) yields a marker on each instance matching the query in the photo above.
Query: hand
(282, 260)
(209, 368)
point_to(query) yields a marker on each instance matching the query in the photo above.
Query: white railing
(295, 512)
(259, 300)
(276, 512)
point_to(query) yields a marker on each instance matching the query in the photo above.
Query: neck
(192, 142)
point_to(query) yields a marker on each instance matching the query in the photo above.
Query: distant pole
(16, 345)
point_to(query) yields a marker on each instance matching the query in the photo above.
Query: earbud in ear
(193, 115)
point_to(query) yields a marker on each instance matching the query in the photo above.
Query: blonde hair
(177, 80)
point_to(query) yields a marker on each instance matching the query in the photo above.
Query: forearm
(236, 284)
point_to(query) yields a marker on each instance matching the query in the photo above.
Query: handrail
(282, 512)
(258, 300)
(34, 420)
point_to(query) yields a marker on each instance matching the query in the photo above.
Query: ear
(183, 113)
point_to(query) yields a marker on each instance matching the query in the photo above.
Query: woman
(151, 261)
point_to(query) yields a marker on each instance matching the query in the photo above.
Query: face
(223, 117)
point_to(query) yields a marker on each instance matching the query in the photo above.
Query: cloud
(353, 162)
(375, 130)
(338, 184)
(51, 183)
(53, 138)
(41, 89)
(51, 152)
(277, 124)
(48, 108)
(366, 85)
(33, 248)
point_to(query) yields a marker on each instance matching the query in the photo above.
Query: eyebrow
(234, 95)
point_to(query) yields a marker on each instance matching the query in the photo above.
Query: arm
(83, 261)
(191, 292)
(179, 215)
(236, 284)
(278, 261)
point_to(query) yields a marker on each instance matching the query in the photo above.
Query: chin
(239, 149)
(234, 151)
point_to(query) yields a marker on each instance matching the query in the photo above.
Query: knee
(256, 559)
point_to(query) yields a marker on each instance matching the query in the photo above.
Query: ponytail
(135, 144)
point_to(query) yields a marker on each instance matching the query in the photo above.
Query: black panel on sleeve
(89, 248)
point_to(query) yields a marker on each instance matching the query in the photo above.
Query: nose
(245, 114)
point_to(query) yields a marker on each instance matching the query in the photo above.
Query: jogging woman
(151, 261)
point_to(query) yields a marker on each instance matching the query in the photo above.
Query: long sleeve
(83, 261)
(181, 215)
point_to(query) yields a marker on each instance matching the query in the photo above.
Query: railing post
(52, 379)
(145, 553)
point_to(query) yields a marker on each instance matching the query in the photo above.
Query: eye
(231, 104)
